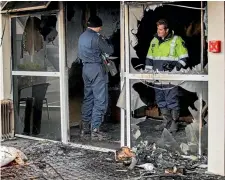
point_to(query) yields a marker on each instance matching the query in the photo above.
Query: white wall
(216, 69)
(5, 58)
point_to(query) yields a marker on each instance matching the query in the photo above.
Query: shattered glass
(35, 43)
(168, 142)
(144, 103)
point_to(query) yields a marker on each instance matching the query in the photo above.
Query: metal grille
(7, 119)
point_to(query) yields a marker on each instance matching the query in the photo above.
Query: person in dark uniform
(90, 47)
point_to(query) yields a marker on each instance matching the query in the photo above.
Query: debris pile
(145, 161)
(165, 159)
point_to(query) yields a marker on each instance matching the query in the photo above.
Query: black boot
(174, 126)
(96, 134)
(167, 119)
(85, 128)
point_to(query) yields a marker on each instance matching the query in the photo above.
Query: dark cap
(94, 21)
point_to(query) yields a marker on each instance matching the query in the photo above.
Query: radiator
(7, 119)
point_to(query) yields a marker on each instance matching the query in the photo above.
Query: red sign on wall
(215, 46)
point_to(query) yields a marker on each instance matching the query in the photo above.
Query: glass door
(39, 74)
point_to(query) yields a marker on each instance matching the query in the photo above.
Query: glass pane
(175, 106)
(37, 106)
(35, 43)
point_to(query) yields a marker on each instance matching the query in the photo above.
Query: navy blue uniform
(90, 46)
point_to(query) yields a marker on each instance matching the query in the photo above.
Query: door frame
(62, 74)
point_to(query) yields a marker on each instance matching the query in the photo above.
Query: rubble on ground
(154, 162)
(48, 160)
(147, 161)
(169, 160)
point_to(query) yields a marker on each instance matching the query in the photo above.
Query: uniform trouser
(167, 98)
(95, 101)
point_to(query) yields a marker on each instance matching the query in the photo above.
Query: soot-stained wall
(77, 15)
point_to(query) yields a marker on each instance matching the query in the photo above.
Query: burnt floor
(112, 130)
(56, 161)
(62, 162)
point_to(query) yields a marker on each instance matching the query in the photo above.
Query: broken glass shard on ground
(168, 142)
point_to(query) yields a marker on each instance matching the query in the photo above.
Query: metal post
(200, 125)
(63, 76)
(202, 37)
(200, 95)
(122, 55)
(127, 62)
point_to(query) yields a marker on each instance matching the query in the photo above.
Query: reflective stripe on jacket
(171, 49)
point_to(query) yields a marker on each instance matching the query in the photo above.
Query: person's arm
(105, 45)
(182, 53)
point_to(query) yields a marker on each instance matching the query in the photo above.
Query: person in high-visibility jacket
(166, 52)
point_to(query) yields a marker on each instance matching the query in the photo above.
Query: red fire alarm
(215, 46)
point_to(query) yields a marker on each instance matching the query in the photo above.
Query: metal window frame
(23, 9)
(127, 76)
(62, 75)
(122, 68)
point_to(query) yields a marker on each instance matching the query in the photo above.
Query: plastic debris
(175, 170)
(147, 166)
(10, 154)
(193, 158)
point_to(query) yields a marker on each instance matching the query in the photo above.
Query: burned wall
(110, 14)
(77, 15)
(74, 29)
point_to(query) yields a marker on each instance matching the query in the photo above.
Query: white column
(127, 63)
(65, 128)
(122, 70)
(5, 57)
(216, 66)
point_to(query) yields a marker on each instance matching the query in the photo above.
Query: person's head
(162, 28)
(94, 23)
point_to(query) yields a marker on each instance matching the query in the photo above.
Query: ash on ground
(47, 160)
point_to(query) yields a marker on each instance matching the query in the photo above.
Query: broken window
(35, 43)
(183, 22)
(36, 95)
(185, 99)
